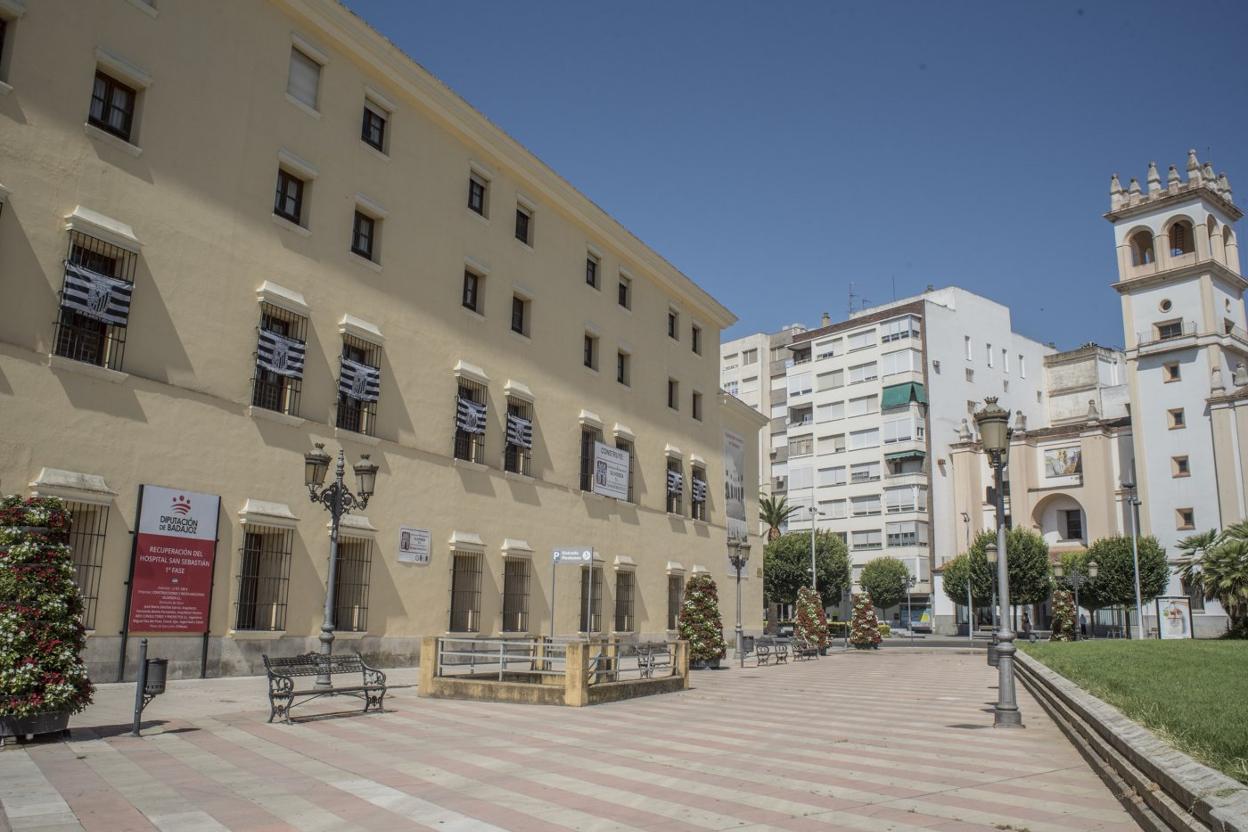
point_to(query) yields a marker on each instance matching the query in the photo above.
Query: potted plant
(42, 677)
(699, 623)
(811, 624)
(864, 631)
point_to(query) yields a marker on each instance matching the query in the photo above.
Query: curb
(1161, 786)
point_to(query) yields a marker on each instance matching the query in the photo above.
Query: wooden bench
(285, 693)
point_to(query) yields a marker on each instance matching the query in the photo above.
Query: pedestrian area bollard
(149, 684)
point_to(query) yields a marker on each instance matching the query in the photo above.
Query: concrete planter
(29, 726)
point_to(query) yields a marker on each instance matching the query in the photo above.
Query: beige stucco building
(189, 189)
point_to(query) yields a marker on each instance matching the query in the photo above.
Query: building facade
(213, 259)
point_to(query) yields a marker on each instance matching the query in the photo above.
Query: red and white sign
(173, 559)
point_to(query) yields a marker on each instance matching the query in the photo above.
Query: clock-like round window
(1165, 305)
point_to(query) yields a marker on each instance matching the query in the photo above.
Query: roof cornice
(1182, 273)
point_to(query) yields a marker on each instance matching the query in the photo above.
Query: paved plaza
(891, 740)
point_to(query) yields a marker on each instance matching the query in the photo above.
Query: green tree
(786, 567)
(775, 512)
(972, 565)
(884, 579)
(1218, 566)
(1115, 579)
(1028, 557)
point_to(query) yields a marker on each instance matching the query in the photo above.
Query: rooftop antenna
(851, 299)
(894, 279)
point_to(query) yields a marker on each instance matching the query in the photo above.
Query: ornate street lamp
(1075, 580)
(739, 557)
(1129, 484)
(994, 432)
(338, 501)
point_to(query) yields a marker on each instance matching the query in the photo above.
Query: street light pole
(1134, 500)
(1075, 580)
(738, 559)
(814, 513)
(909, 609)
(970, 600)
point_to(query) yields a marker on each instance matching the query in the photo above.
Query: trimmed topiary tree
(42, 677)
(811, 623)
(972, 565)
(1115, 578)
(864, 631)
(699, 622)
(1063, 615)
(884, 579)
(786, 567)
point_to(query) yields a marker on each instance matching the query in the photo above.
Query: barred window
(465, 592)
(516, 595)
(87, 531)
(594, 624)
(675, 595)
(469, 446)
(353, 414)
(81, 337)
(697, 506)
(588, 437)
(264, 578)
(675, 497)
(624, 586)
(517, 458)
(627, 447)
(355, 562)
(271, 390)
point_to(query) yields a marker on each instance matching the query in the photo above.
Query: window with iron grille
(88, 529)
(675, 596)
(517, 458)
(698, 507)
(288, 202)
(355, 561)
(112, 106)
(78, 336)
(465, 592)
(594, 624)
(627, 447)
(516, 595)
(364, 236)
(624, 586)
(353, 414)
(469, 446)
(588, 437)
(675, 497)
(271, 390)
(474, 291)
(264, 578)
(373, 130)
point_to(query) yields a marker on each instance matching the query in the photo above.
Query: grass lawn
(1193, 694)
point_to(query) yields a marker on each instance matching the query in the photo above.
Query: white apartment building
(874, 403)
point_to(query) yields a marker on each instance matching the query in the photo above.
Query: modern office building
(231, 231)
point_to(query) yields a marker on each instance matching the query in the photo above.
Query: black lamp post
(1075, 580)
(1128, 483)
(994, 433)
(739, 558)
(338, 501)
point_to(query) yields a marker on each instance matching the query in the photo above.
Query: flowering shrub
(41, 633)
(699, 620)
(811, 623)
(865, 628)
(1063, 616)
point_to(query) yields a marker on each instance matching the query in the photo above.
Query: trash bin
(157, 672)
(992, 651)
(747, 644)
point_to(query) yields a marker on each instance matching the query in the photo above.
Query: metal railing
(616, 661)
(1166, 332)
(472, 656)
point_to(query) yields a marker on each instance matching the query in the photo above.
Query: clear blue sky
(775, 152)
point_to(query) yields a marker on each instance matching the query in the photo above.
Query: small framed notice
(414, 545)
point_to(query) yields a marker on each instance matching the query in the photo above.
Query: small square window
(477, 190)
(623, 368)
(591, 271)
(591, 351)
(474, 289)
(625, 292)
(304, 79)
(288, 203)
(1176, 418)
(970, 374)
(373, 130)
(1179, 466)
(673, 394)
(112, 106)
(364, 236)
(1169, 329)
(695, 339)
(697, 405)
(1184, 518)
(519, 315)
(524, 225)
(1171, 372)
(673, 325)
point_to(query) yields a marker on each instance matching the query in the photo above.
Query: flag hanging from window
(280, 354)
(675, 482)
(519, 431)
(359, 381)
(699, 490)
(469, 415)
(96, 295)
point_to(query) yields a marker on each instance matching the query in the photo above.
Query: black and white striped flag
(675, 482)
(96, 295)
(699, 490)
(359, 381)
(469, 415)
(280, 354)
(519, 431)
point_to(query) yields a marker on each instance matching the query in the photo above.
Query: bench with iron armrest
(651, 656)
(292, 681)
(762, 651)
(803, 649)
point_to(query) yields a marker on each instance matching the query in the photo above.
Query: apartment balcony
(777, 367)
(1166, 337)
(779, 455)
(779, 424)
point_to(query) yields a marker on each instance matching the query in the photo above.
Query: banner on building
(699, 490)
(470, 415)
(519, 431)
(359, 381)
(1063, 462)
(176, 545)
(1174, 616)
(734, 488)
(675, 483)
(280, 354)
(414, 545)
(96, 295)
(610, 471)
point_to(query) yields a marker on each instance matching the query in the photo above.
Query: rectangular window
(673, 394)
(517, 457)
(594, 623)
(274, 390)
(112, 106)
(288, 202)
(588, 437)
(970, 374)
(1179, 466)
(351, 579)
(516, 595)
(519, 315)
(358, 415)
(1176, 418)
(695, 338)
(623, 362)
(906, 498)
(866, 539)
(373, 129)
(860, 439)
(363, 236)
(864, 472)
(474, 289)
(1171, 372)
(469, 446)
(465, 592)
(907, 533)
(673, 325)
(863, 406)
(1072, 524)
(901, 361)
(898, 430)
(625, 292)
(834, 444)
(801, 446)
(88, 337)
(835, 509)
(832, 476)
(1022, 367)
(624, 586)
(1184, 518)
(863, 372)
(4, 32)
(696, 405)
(88, 529)
(591, 271)
(524, 225)
(749, 357)
(899, 329)
(590, 356)
(988, 352)
(966, 343)
(675, 597)
(1169, 329)
(697, 497)
(263, 578)
(832, 380)
(800, 384)
(860, 340)
(675, 487)
(627, 447)
(305, 78)
(867, 505)
(477, 190)
(1005, 360)
(1195, 594)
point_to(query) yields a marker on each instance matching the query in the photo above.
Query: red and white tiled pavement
(887, 740)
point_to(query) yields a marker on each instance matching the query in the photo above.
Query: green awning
(913, 454)
(901, 395)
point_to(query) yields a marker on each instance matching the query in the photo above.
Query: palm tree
(1218, 566)
(775, 512)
